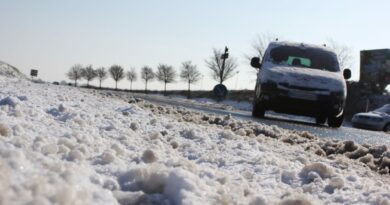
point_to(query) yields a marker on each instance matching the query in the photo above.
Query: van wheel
(387, 127)
(335, 121)
(258, 110)
(320, 120)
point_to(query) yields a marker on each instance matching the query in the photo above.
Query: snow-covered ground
(64, 145)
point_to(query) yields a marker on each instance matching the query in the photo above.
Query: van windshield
(304, 57)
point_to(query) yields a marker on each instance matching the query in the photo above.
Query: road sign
(225, 55)
(34, 73)
(220, 91)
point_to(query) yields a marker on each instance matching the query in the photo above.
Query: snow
(275, 44)
(76, 146)
(10, 71)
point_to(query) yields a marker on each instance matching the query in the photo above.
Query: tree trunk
(100, 84)
(165, 89)
(75, 83)
(189, 90)
(131, 85)
(116, 85)
(87, 83)
(146, 87)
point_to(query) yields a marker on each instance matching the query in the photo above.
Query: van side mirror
(347, 74)
(255, 62)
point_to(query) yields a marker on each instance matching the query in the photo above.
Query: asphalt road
(285, 121)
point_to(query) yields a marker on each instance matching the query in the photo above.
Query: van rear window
(303, 61)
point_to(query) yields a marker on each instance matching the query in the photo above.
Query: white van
(301, 79)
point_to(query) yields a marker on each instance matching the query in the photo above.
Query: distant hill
(10, 71)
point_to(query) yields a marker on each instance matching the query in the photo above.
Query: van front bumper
(301, 102)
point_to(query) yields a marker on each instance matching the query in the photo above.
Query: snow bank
(64, 145)
(10, 71)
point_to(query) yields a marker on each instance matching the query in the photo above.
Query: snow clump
(258, 200)
(149, 156)
(61, 108)
(324, 171)
(189, 134)
(171, 186)
(5, 131)
(155, 136)
(149, 179)
(174, 144)
(107, 158)
(134, 126)
(378, 150)
(75, 155)
(334, 183)
(117, 149)
(227, 135)
(288, 176)
(10, 101)
(49, 149)
(296, 200)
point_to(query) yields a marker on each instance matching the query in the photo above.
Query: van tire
(320, 120)
(335, 121)
(258, 110)
(386, 128)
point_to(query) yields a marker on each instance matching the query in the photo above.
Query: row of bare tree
(165, 73)
(221, 69)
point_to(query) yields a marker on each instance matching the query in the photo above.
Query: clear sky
(51, 35)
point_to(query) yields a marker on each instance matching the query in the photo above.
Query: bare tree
(190, 74)
(117, 73)
(147, 75)
(259, 46)
(165, 74)
(131, 76)
(88, 74)
(75, 73)
(101, 75)
(344, 54)
(219, 72)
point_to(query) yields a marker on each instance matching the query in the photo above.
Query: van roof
(301, 45)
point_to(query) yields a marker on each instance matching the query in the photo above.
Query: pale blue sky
(52, 35)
